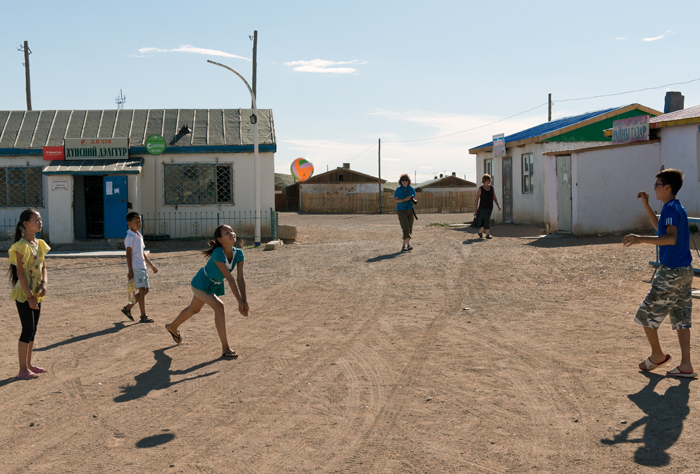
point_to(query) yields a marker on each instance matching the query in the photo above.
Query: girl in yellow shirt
(28, 275)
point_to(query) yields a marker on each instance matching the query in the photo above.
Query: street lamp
(255, 153)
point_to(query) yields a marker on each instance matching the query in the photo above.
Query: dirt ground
(514, 355)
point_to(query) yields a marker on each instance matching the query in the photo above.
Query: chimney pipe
(674, 101)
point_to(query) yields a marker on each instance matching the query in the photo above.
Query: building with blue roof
(532, 186)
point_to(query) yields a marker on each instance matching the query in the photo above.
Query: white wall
(151, 182)
(680, 149)
(605, 184)
(528, 208)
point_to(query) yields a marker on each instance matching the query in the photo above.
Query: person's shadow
(117, 327)
(388, 256)
(158, 377)
(663, 420)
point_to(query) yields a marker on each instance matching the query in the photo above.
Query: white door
(564, 193)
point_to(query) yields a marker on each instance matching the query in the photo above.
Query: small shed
(446, 184)
(338, 190)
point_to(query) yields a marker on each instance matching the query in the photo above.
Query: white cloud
(655, 38)
(144, 52)
(323, 66)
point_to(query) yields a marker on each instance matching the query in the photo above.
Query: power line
(542, 105)
(630, 92)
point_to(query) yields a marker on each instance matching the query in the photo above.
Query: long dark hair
(214, 244)
(19, 233)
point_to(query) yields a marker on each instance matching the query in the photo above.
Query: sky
(429, 79)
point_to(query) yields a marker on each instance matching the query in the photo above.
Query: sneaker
(488, 236)
(481, 236)
(409, 248)
(145, 319)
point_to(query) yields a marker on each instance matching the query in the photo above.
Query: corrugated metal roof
(688, 113)
(549, 127)
(94, 167)
(34, 129)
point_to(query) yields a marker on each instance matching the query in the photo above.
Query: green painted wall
(594, 131)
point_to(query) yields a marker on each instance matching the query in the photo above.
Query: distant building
(340, 182)
(444, 184)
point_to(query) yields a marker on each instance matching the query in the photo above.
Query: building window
(198, 183)
(488, 169)
(528, 173)
(21, 187)
(340, 177)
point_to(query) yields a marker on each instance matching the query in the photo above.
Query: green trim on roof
(595, 131)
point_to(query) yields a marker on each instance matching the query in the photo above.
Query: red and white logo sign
(54, 153)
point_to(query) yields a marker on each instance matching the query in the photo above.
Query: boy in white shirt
(136, 261)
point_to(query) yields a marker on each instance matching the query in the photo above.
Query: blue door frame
(115, 197)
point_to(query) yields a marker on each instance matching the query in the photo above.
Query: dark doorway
(94, 207)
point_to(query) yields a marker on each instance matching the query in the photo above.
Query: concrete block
(287, 232)
(272, 245)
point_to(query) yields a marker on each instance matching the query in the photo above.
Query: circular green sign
(155, 144)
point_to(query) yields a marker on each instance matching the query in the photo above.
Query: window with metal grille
(198, 183)
(528, 173)
(21, 187)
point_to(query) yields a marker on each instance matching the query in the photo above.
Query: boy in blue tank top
(671, 290)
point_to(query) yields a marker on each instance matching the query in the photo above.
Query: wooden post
(26, 75)
(381, 191)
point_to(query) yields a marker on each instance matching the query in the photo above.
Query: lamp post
(255, 153)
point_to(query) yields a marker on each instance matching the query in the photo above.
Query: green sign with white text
(155, 144)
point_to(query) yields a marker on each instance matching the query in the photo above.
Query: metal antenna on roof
(120, 100)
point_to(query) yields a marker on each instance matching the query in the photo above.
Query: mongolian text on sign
(499, 145)
(96, 148)
(633, 129)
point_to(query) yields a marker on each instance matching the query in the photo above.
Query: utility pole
(255, 63)
(381, 191)
(27, 52)
(549, 114)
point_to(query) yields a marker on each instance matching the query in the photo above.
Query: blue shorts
(140, 278)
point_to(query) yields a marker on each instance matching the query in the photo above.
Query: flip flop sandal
(176, 337)
(39, 370)
(649, 365)
(127, 313)
(677, 373)
(27, 375)
(229, 355)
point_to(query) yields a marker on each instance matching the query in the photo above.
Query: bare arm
(669, 238)
(130, 275)
(650, 212)
(33, 303)
(153, 267)
(240, 295)
(495, 199)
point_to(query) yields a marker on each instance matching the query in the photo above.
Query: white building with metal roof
(85, 169)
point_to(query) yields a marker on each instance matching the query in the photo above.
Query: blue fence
(201, 225)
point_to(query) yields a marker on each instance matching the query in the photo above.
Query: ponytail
(19, 233)
(214, 244)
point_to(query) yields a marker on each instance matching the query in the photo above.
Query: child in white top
(136, 261)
